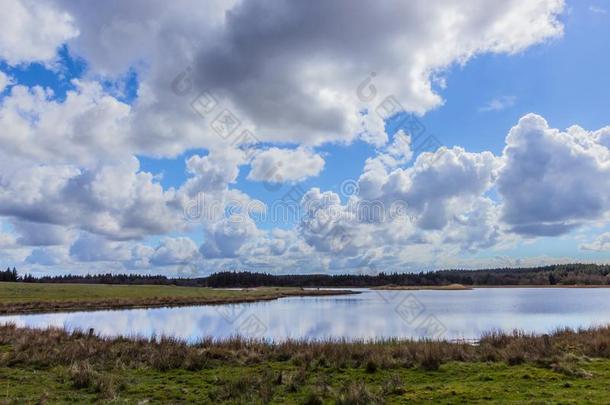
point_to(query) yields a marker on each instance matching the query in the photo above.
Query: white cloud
(213, 172)
(88, 127)
(548, 181)
(600, 244)
(226, 237)
(94, 248)
(117, 201)
(32, 31)
(393, 155)
(437, 187)
(499, 104)
(48, 256)
(293, 75)
(173, 251)
(277, 165)
(597, 9)
(553, 181)
(5, 81)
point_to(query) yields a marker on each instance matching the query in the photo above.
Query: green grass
(24, 292)
(54, 366)
(453, 383)
(35, 297)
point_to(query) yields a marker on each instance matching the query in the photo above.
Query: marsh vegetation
(53, 365)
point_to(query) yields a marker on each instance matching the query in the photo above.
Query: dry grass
(83, 375)
(51, 347)
(357, 393)
(313, 371)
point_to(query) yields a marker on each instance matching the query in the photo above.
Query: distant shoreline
(461, 287)
(450, 287)
(544, 286)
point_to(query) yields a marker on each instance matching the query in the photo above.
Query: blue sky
(109, 101)
(562, 80)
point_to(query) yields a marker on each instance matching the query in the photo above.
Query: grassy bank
(55, 366)
(40, 297)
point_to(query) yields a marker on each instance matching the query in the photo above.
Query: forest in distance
(552, 275)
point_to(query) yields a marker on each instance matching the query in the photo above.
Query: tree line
(561, 274)
(9, 275)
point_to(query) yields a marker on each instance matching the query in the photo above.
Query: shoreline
(474, 287)
(544, 286)
(241, 296)
(170, 296)
(450, 287)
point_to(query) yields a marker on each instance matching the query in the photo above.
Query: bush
(431, 356)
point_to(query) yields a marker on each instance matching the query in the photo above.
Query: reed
(51, 347)
(511, 367)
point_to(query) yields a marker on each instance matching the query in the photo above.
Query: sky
(303, 137)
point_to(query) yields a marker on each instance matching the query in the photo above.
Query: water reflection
(370, 315)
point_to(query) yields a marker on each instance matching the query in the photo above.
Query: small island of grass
(448, 287)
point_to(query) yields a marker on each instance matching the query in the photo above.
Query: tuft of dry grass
(84, 375)
(357, 393)
(431, 355)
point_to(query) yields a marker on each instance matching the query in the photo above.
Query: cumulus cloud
(393, 155)
(277, 165)
(5, 81)
(438, 186)
(117, 201)
(298, 74)
(175, 251)
(87, 127)
(37, 234)
(32, 31)
(93, 248)
(226, 237)
(600, 244)
(547, 182)
(553, 181)
(292, 75)
(213, 172)
(308, 84)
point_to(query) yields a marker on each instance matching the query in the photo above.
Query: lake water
(369, 315)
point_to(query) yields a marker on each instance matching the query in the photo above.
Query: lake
(368, 315)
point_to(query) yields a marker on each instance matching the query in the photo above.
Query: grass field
(35, 297)
(281, 383)
(38, 366)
